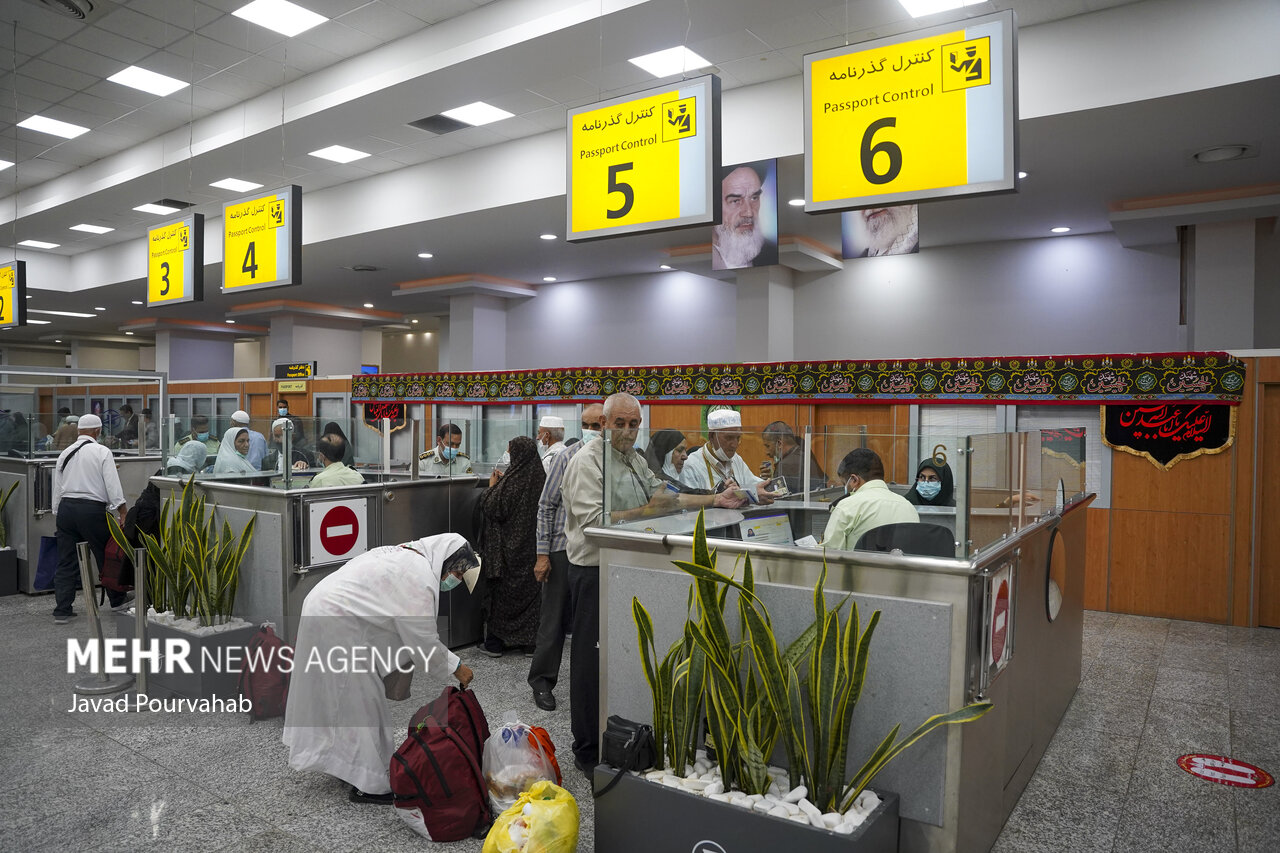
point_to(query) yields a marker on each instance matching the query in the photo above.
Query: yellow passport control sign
(175, 262)
(644, 162)
(13, 294)
(262, 241)
(925, 115)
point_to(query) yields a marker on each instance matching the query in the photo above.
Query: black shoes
(587, 767)
(358, 796)
(544, 700)
(492, 647)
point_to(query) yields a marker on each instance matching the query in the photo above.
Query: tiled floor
(1152, 690)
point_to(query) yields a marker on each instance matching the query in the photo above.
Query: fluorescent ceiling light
(669, 62)
(232, 322)
(368, 305)
(137, 302)
(92, 229)
(920, 8)
(147, 81)
(477, 114)
(53, 126)
(160, 209)
(40, 322)
(235, 185)
(283, 17)
(1061, 229)
(548, 278)
(38, 244)
(60, 313)
(426, 255)
(127, 333)
(99, 308)
(5, 164)
(339, 154)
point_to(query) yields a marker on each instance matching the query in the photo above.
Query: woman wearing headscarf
(337, 719)
(233, 454)
(508, 546)
(934, 485)
(666, 453)
(191, 459)
(348, 458)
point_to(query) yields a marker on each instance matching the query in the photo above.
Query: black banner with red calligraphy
(375, 412)
(1067, 443)
(1166, 433)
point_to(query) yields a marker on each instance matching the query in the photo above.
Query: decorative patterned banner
(1167, 433)
(1212, 377)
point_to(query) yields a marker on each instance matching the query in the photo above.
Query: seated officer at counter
(199, 432)
(301, 459)
(786, 458)
(332, 449)
(445, 460)
(717, 462)
(634, 493)
(869, 503)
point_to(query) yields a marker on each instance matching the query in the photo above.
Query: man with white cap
(257, 441)
(550, 439)
(717, 462)
(299, 456)
(85, 486)
(381, 606)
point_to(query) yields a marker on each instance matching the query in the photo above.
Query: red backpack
(263, 680)
(435, 774)
(116, 571)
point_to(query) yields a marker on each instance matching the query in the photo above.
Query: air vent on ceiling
(439, 124)
(78, 9)
(362, 268)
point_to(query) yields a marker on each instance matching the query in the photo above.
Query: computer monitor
(768, 529)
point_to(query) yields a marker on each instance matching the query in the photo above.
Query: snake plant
(195, 565)
(754, 693)
(4, 531)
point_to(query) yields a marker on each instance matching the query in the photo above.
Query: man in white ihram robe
(339, 722)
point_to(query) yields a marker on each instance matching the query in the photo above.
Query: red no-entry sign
(1000, 622)
(338, 529)
(1225, 771)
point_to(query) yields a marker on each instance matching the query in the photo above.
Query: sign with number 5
(645, 162)
(175, 261)
(13, 294)
(262, 241)
(924, 115)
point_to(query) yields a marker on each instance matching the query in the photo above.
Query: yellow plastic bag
(543, 820)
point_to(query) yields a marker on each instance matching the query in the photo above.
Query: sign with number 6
(925, 115)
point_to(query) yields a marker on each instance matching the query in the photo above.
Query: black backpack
(116, 571)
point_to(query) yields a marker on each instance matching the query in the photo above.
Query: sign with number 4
(262, 241)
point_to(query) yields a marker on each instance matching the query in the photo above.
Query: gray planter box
(9, 572)
(199, 684)
(639, 816)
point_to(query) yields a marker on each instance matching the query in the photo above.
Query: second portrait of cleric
(747, 235)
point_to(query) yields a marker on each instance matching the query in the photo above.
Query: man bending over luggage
(379, 607)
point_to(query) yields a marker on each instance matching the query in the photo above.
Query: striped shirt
(551, 505)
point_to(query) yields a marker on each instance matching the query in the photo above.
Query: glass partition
(38, 420)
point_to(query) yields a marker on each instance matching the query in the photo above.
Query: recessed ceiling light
(99, 308)
(53, 127)
(1221, 153)
(148, 81)
(283, 17)
(128, 333)
(40, 322)
(920, 8)
(5, 164)
(57, 340)
(663, 267)
(1021, 175)
(92, 229)
(339, 154)
(547, 236)
(477, 113)
(232, 322)
(368, 305)
(137, 302)
(235, 185)
(796, 202)
(60, 313)
(548, 278)
(38, 244)
(673, 60)
(426, 255)
(1061, 229)
(413, 321)
(160, 209)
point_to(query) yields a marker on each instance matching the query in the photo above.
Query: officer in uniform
(445, 460)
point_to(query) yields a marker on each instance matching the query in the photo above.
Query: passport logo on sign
(678, 119)
(966, 64)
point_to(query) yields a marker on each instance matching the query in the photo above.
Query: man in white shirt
(85, 486)
(718, 462)
(870, 503)
(550, 439)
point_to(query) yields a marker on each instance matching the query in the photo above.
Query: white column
(477, 333)
(1220, 286)
(766, 314)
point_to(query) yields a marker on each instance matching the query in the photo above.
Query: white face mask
(589, 435)
(720, 454)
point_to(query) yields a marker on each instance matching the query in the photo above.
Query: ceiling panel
(728, 47)
(382, 21)
(762, 68)
(140, 27)
(35, 18)
(124, 50)
(30, 87)
(338, 38)
(29, 43)
(207, 51)
(68, 56)
(47, 72)
(188, 15)
(240, 33)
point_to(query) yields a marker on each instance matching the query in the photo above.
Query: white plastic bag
(514, 759)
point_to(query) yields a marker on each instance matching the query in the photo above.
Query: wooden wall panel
(1199, 485)
(1097, 561)
(887, 427)
(1245, 591)
(1170, 564)
(676, 416)
(1266, 553)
